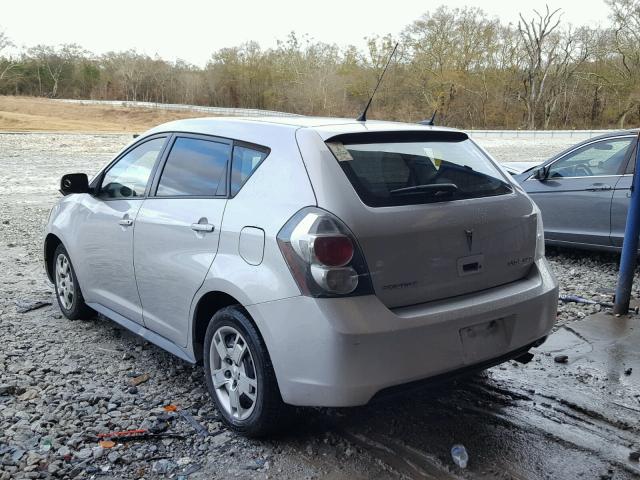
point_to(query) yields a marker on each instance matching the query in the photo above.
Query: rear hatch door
(434, 216)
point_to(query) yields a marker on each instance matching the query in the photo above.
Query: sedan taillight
(323, 255)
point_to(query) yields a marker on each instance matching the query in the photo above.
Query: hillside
(22, 114)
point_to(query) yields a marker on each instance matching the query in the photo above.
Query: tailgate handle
(470, 267)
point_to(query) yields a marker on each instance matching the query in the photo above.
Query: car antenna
(429, 122)
(363, 115)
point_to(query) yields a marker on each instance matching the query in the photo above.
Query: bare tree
(541, 49)
(574, 48)
(6, 63)
(626, 38)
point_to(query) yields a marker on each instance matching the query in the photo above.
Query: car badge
(469, 234)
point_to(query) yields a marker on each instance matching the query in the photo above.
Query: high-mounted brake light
(323, 255)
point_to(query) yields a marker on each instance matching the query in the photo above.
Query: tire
(236, 357)
(67, 287)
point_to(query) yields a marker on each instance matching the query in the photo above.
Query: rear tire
(240, 377)
(67, 287)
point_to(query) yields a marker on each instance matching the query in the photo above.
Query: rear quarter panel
(272, 195)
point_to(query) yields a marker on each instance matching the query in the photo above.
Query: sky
(192, 29)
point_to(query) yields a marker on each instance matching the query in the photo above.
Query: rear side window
(408, 170)
(195, 167)
(245, 161)
(631, 166)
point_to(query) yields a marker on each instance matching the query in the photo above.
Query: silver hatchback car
(306, 261)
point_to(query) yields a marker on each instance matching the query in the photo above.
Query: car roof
(325, 126)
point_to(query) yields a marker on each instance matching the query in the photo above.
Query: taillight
(323, 255)
(334, 250)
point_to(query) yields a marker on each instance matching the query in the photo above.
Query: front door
(575, 198)
(105, 236)
(177, 231)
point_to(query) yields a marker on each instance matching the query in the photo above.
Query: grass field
(29, 114)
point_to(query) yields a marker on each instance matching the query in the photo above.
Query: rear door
(621, 199)
(177, 231)
(575, 198)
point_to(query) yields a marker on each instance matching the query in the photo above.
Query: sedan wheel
(233, 372)
(64, 282)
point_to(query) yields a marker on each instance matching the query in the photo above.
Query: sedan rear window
(387, 171)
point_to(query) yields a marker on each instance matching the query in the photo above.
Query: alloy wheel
(64, 282)
(233, 372)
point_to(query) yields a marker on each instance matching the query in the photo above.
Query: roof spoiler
(395, 136)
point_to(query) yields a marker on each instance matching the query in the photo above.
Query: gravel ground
(62, 382)
(528, 147)
(586, 274)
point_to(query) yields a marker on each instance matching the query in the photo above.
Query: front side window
(411, 170)
(596, 159)
(129, 176)
(245, 161)
(195, 167)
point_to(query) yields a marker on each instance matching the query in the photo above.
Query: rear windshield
(406, 171)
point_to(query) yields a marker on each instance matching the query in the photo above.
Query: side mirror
(541, 174)
(74, 183)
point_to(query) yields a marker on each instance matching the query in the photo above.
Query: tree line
(474, 70)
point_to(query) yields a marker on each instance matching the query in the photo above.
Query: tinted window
(413, 172)
(195, 168)
(600, 158)
(245, 161)
(130, 175)
(631, 166)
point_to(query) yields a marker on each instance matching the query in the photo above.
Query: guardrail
(533, 134)
(223, 111)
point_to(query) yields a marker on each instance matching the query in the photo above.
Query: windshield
(414, 172)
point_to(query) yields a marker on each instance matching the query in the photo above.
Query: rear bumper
(461, 372)
(341, 352)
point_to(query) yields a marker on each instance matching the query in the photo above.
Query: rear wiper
(436, 189)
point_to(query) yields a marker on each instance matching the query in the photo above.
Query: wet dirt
(539, 420)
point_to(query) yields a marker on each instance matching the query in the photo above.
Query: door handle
(202, 227)
(598, 187)
(125, 222)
